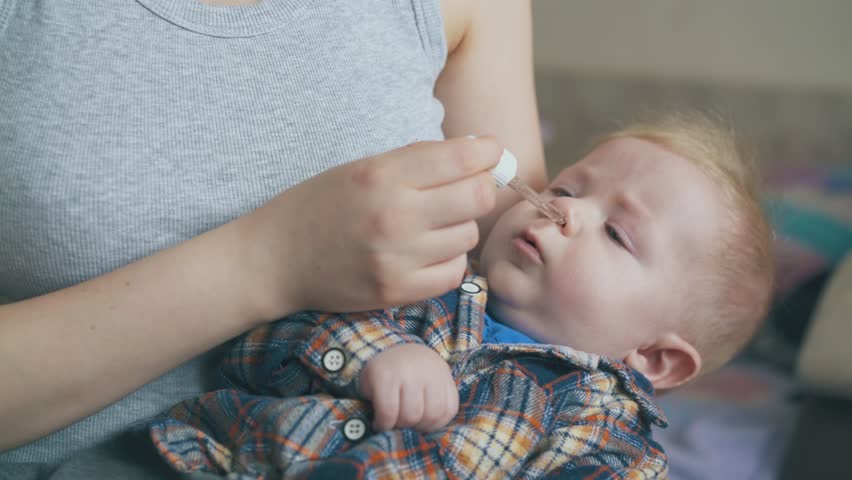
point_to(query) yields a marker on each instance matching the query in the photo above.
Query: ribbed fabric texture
(127, 127)
(228, 21)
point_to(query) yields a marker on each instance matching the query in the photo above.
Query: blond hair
(731, 296)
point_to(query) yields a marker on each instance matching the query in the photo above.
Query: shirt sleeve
(264, 361)
(313, 352)
(340, 346)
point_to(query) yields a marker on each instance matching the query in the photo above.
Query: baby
(661, 273)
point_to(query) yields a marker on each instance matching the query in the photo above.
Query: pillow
(810, 209)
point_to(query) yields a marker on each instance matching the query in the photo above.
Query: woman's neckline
(242, 18)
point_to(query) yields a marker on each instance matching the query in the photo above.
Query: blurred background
(781, 71)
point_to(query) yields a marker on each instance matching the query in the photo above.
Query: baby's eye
(615, 236)
(562, 192)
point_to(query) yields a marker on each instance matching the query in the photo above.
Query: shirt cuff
(341, 345)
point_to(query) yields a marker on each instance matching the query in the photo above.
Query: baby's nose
(573, 223)
(575, 213)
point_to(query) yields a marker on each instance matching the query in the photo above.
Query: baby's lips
(531, 236)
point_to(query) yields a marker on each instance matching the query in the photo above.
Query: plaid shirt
(525, 411)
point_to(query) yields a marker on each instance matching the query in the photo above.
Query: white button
(354, 429)
(333, 360)
(470, 288)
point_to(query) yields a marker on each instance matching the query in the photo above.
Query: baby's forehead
(619, 156)
(642, 167)
(684, 206)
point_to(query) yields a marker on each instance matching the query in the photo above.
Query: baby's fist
(410, 386)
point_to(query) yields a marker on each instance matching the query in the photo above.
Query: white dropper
(504, 173)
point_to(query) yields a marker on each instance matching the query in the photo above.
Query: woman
(176, 172)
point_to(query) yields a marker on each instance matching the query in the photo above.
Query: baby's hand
(410, 386)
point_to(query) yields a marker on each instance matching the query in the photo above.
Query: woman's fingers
(434, 263)
(457, 202)
(375, 232)
(437, 279)
(439, 245)
(433, 164)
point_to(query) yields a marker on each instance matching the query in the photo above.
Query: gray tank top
(127, 127)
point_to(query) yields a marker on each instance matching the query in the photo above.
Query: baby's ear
(669, 362)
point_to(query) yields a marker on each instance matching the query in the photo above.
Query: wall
(778, 43)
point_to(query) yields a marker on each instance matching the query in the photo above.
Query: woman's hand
(410, 386)
(380, 231)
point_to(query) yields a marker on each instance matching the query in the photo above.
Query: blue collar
(496, 332)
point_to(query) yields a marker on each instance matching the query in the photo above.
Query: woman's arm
(487, 86)
(67, 354)
(381, 231)
(384, 230)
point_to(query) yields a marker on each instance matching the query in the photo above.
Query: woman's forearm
(381, 231)
(70, 353)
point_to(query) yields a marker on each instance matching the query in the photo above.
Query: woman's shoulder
(462, 16)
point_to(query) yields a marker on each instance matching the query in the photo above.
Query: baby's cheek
(584, 298)
(574, 289)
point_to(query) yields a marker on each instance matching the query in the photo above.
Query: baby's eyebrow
(636, 207)
(589, 175)
(583, 174)
(586, 174)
